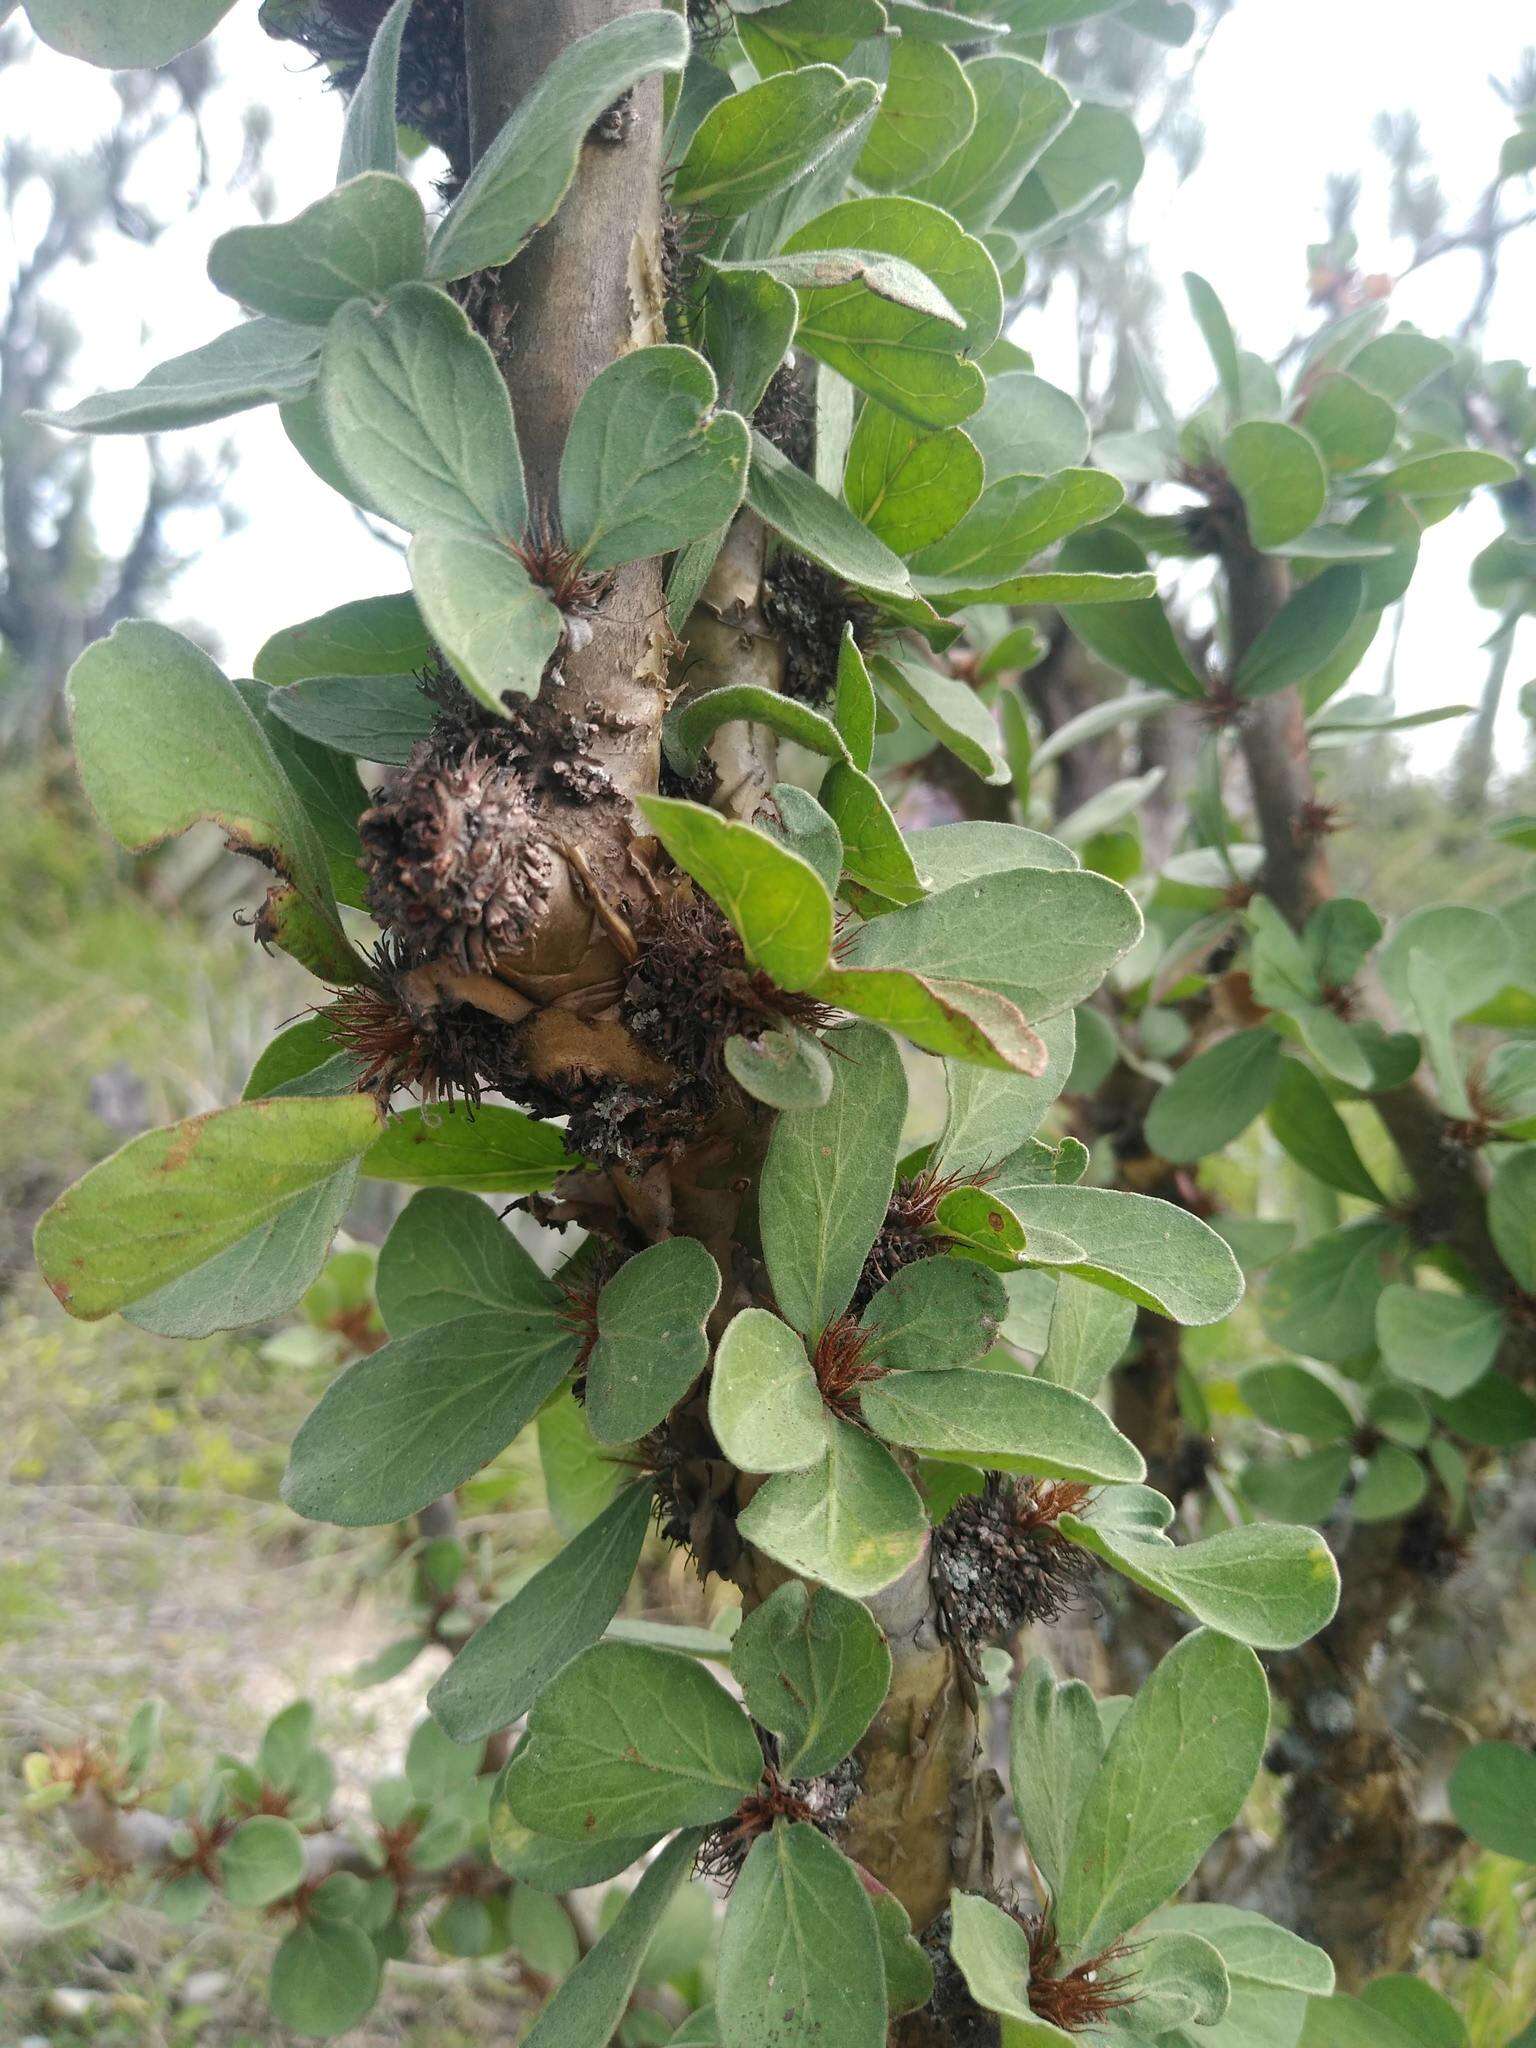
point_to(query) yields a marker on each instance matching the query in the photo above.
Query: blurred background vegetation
(143, 1549)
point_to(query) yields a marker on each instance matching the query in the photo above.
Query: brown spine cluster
(1075, 1999)
(455, 867)
(907, 1233)
(433, 93)
(808, 610)
(998, 1561)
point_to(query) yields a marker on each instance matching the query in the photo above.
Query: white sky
(1287, 93)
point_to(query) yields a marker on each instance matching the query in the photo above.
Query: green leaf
(1095, 160)
(1444, 1342)
(1007, 1421)
(1151, 1251)
(929, 239)
(1019, 113)
(493, 622)
(523, 175)
(1257, 1953)
(796, 32)
(448, 1256)
(1054, 1746)
(414, 1420)
(759, 142)
(1392, 1484)
(593, 2000)
(1493, 1796)
(419, 417)
(1135, 638)
(1089, 1331)
(1176, 1772)
(693, 721)
(777, 902)
(992, 1114)
(909, 486)
(1279, 476)
(1029, 428)
(749, 323)
(355, 243)
(952, 854)
(827, 1180)
(1295, 1398)
(927, 110)
(955, 1019)
(1211, 317)
(992, 1951)
(370, 139)
(765, 1407)
(949, 709)
(874, 851)
(257, 1279)
(877, 319)
(1011, 522)
(1304, 635)
(494, 1151)
(122, 38)
(164, 742)
(937, 1312)
(1179, 1980)
(628, 1738)
(1448, 472)
(1395, 365)
(821, 526)
(814, 1668)
(562, 1610)
(1321, 1299)
(261, 362)
(1467, 950)
(1512, 1214)
(1216, 1096)
(800, 1949)
(1352, 425)
(649, 464)
(798, 821)
(325, 1978)
(786, 1069)
(550, 1865)
(1310, 1129)
(651, 1345)
(171, 1200)
(262, 1861)
(854, 1522)
(1425, 2017)
(908, 1972)
(580, 1478)
(372, 718)
(1272, 1585)
(373, 636)
(1043, 938)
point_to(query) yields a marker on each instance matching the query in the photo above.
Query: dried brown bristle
(906, 1234)
(843, 1367)
(433, 92)
(1083, 1996)
(455, 865)
(552, 563)
(784, 415)
(722, 1853)
(691, 989)
(997, 1561)
(695, 1490)
(440, 1051)
(807, 609)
